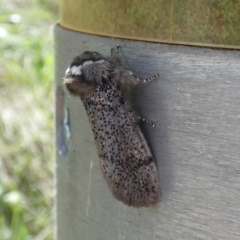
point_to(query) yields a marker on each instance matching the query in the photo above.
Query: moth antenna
(118, 49)
(144, 80)
(115, 50)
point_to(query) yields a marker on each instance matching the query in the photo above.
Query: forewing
(125, 158)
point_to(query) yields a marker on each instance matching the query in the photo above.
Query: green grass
(26, 121)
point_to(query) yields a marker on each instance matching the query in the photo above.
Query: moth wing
(125, 158)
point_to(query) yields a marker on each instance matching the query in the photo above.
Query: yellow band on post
(201, 23)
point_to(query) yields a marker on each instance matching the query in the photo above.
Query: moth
(126, 161)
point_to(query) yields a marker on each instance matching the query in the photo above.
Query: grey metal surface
(196, 106)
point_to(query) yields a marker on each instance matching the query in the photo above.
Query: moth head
(86, 71)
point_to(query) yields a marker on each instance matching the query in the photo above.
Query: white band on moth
(100, 61)
(67, 71)
(76, 70)
(87, 63)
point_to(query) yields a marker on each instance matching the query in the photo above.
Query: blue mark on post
(63, 126)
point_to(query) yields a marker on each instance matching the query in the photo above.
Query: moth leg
(136, 115)
(115, 50)
(139, 118)
(153, 124)
(139, 80)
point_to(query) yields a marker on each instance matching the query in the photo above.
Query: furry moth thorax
(91, 69)
(86, 72)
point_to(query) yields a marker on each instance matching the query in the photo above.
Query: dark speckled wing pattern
(125, 158)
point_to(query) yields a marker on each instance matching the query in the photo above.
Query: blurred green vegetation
(26, 122)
